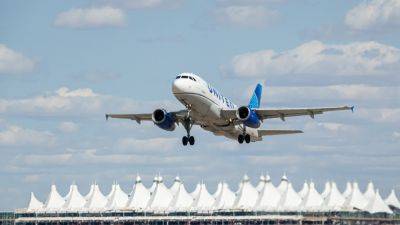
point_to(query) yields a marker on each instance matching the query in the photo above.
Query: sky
(64, 64)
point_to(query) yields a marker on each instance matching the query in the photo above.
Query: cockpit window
(186, 77)
(177, 77)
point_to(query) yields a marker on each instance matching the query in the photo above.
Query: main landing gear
(188, 126)
(244, 137)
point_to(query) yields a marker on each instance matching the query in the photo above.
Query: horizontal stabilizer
(277, 132)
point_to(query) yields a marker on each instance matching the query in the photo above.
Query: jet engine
(163, 119)
(248, 116)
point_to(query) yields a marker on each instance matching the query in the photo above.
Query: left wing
(283, 113)
(179, 115)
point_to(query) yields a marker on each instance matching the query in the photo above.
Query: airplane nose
(177, 86)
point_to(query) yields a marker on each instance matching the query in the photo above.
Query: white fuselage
(205, 104)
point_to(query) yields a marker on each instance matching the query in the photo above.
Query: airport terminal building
(264, 203)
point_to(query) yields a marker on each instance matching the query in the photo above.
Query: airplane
(209, 109)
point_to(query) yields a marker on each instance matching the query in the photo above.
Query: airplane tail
(256, 97)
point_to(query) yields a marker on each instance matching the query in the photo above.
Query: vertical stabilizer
(256, 97)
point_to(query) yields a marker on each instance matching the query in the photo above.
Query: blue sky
(63, 64)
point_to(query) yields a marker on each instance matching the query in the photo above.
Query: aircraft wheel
(185, 140)
(191, 140)
(240, 139)
(247, 138)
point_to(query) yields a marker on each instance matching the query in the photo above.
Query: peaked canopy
(219, 187)
(160, 198)
(225, 199)
(392, 200)
(377, 205)
(261, 183)
(96, 201)
(196, 190)
(290, 200)
(153, 186)
(34, 204)
(140, 196)
(54, 200)
(269, 197)
(312, 202)
(283, 185)
(117, 199)
(87, 196)
(175, 185)
(203, 201)
(348, 190)
(369, 194)
(334, 201)
(356, 199)
(247, 195)
(75, 200)
(303, 192)
(327, 189)
(182, 200)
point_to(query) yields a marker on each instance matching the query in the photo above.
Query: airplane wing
(179, 115)
(283, 113)
(277, 132)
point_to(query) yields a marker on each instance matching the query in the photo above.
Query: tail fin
(256, 98)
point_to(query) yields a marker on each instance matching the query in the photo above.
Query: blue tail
(256, 98)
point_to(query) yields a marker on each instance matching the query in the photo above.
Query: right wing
(179, 115)
(277, 132)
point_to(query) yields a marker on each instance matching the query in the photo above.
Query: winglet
(352, 109)
(107, 116)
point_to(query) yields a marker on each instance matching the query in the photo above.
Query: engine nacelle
(163, 119)
(248, 116)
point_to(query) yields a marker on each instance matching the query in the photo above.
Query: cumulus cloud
(68, 127)
(12, 62)
(105, 16)
(374, 15)
(245, 15)
(385, 115)
(315, 57)
(143, 4)
(18, 136)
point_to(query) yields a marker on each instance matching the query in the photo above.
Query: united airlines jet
(209, 109)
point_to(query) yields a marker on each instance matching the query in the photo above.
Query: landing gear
(187, 123)
(244, 137)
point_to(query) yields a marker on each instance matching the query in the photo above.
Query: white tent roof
(160, 198)
(219, 188)
(313, 200)
(54, 200)
(377, 205)
(369, 193)
(269, 197)
(303, 192)
(117, 199)
(111, 191)
(204, 200)
(96, 201)
(153, 186)
(140, 196)
(182, 200)
(175, 185)
(290, 200)
(196, 190)
(34, 204)
(283, 185)
(392, 200)
(334, 201)
(327, 189)
(356, 199)
(348, 190)
(261, 183)
(87, 196)
(75, 200)
(247, 195)
(225, 199)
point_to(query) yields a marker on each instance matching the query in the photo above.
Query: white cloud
(388, 115)
(105, 16)
(396, 135)
(246, 15)
(142, 4)
(375, 14)
(32, 178)
(332, 127)
(161, 144)
(314, 57)
(12, 62)
(18, 136)
(68, 127)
